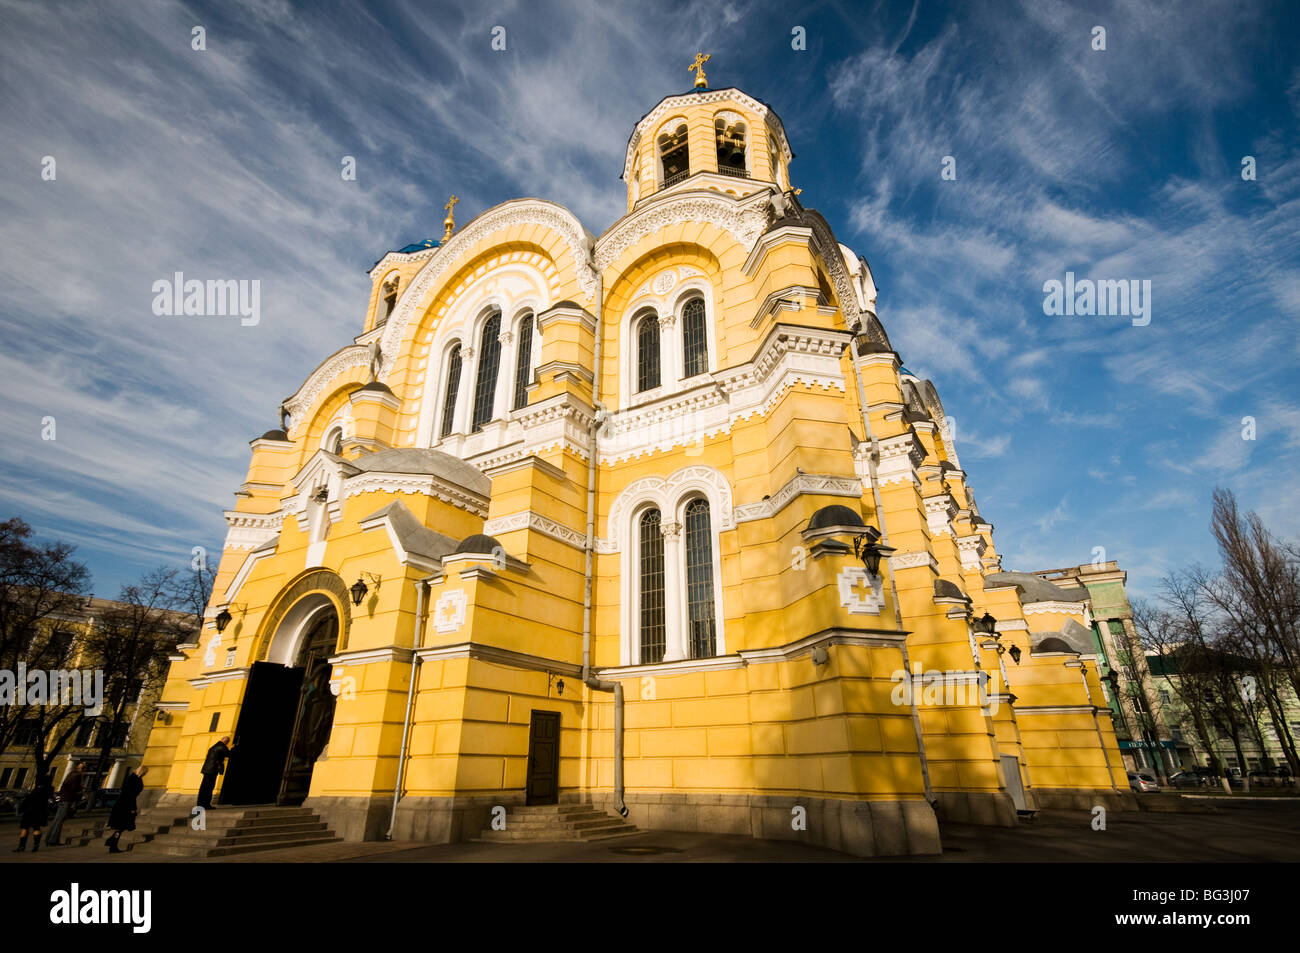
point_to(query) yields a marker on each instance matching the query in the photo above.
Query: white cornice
(388, 653)
(490, 653)
(338, 363)
(528, 519)
(803, 484)
(225, 675)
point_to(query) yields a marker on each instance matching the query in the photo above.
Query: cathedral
(654, 521)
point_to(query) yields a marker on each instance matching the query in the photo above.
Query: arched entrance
(288, 710)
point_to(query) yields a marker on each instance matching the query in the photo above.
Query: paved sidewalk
(1261, 830)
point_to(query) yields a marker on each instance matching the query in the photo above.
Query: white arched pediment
(744, 220)
(667, 494)
(504, 216)
(338, 363)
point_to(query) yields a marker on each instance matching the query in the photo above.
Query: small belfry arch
(295, 608)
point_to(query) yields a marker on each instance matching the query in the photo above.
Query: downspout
(1096, 722)
(421, 587)
(872, 457)
(588, 678)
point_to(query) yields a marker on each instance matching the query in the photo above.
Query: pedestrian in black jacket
(213, 766)
(122, 817)
(34, 813)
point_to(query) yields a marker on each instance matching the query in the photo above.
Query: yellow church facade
(654, 520)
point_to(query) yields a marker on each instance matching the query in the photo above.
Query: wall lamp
(985, 624)
(223, 617)
(359, 588)
(1014, 652)
(866, 546)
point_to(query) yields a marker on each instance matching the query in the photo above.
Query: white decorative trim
(912, 560)
(1012, 625)
(1066, 608)
(390, 653)
(716, 663)
(250, 530)
(449, 612)
(508, 214)
(939, 511)
(172, 706)
(900, 456)
(825, 639)
(354, 355)
(498, 656)
(245, 570)
(211, 678)
(424, 484)
(848, 580)
(529, 519)
(971, 550)
(744, 219)
(665, 494)
(812, 484)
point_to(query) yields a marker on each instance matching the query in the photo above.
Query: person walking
(214, 765)
(124, 811)
(69, 794)
(34, 812)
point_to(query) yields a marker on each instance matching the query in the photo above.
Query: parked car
(1187, 779)
(1142, 782)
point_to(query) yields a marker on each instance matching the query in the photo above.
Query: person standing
(69, 794)
(34, 812)
(213, 766)
(124, 811)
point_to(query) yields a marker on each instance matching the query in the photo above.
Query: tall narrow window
(675, 155)
(453, 388)
(524, 362)
(653, 637)
(489, 362)
(699, 579)
(695, 344)
(647, 353)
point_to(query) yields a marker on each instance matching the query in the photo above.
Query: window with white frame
(523, 361)
(451, 392)
(489, 364)
(695, 339)
(671, 581)
(647, 352)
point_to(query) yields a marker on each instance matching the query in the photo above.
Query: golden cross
(449, 222)
(700, 59)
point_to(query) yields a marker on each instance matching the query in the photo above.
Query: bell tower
(722, 140)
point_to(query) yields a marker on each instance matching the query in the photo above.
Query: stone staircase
(558, 822)
(235, 831)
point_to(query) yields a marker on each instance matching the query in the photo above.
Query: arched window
(651, 619)
(695, 341)
(489, 362)
(701, 621)
(647, 353)
(390, 298)
(674, 153)
(524, 362)
(453, 388)
(731, 148)
(334, 441)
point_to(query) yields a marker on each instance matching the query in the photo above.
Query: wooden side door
(543, 758)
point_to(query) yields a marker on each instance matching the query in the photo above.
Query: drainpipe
(1083, 674)
(872, 457)
(421, 588)
(588, 678)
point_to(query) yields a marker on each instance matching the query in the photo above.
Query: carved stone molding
(520, 212)
(354, 355)
(745, 221)
(666, 494)
(804, 483)
(527, 519)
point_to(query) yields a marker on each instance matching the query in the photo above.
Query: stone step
(206, 839)
(550, 809)
(557, 835)
(185, 850)
(534, 820)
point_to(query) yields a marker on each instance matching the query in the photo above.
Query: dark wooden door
(263, 734)
(543, 758)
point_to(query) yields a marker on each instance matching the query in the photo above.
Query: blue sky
(1076, 432)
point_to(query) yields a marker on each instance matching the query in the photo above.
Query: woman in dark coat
(122, 817)
(34, 813)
